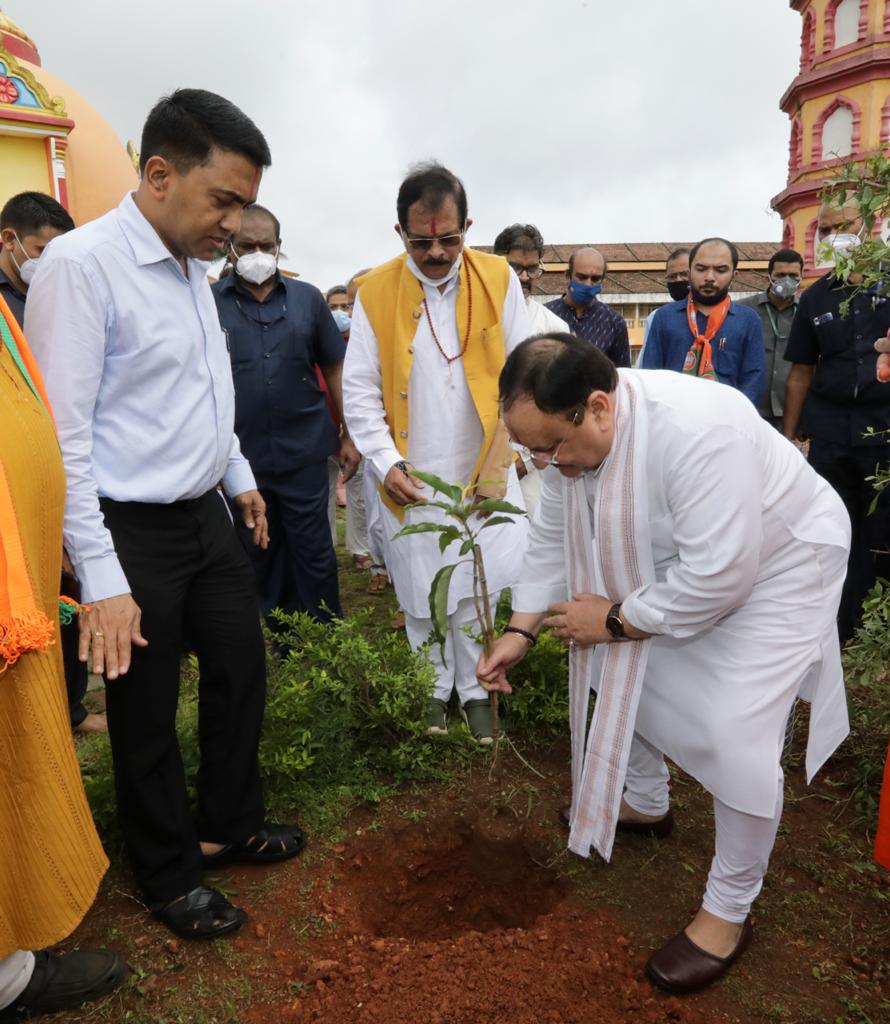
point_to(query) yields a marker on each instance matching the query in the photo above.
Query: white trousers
(333, 474)
(457, 670)
(356, 517)
(743, 842)
(15, 973)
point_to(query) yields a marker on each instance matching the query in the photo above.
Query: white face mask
(840, 243)
(257, 267)
(26, 269)
(434, 282)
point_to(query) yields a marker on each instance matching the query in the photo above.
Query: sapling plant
(469, 515)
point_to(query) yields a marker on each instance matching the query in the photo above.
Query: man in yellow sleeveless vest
(430, 333)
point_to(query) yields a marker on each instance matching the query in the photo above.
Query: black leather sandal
(269, 844)
(203, 913)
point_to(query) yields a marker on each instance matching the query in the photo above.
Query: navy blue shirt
(281, 417)
(14, 298)
(845, 397)
(599, 324)
(736, 350)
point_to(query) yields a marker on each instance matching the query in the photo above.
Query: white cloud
(599, 121)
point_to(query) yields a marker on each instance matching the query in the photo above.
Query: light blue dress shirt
(138, 375)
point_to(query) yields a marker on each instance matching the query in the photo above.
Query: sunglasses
(425, 244)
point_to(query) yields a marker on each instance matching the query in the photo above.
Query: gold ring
(99, 633)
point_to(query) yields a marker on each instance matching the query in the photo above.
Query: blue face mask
(584, 294)
(342, 319)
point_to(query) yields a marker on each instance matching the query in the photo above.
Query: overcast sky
(597, 120)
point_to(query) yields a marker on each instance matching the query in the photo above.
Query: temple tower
(838, 105)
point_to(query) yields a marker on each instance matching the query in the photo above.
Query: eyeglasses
(245, 248)
(532, 273)
(425, 244)
(549, 458)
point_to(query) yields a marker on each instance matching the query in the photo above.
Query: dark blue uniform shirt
(845, 398)
(281, 417)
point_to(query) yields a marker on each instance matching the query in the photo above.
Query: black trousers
(76, 671)
(846, 469)
(189, 574)
(298, 571)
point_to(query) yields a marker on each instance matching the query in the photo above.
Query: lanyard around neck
(774, 323)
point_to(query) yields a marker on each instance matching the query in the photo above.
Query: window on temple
(837, 134)
(842, 23)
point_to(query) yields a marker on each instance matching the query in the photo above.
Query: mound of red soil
(435, 943)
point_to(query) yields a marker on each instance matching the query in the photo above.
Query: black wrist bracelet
(532, 639)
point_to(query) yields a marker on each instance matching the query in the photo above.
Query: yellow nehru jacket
(392, 298)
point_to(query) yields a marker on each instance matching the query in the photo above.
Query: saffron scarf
(611, 556)
(699, 359)
(23, 625)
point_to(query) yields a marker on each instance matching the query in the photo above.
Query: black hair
(733, 251)
(338, 289)
(29, 212)
(519, 236)
(676, 254)
(558, 372)
(186, 125)
(256, 208)
(431, 184)
(582, 248)
(784, 256)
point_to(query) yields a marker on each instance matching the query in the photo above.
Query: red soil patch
(434, 942)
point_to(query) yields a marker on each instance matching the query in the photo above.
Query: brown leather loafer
(659, 829)
(681, 966)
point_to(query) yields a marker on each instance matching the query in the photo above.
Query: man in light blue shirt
(124, 326)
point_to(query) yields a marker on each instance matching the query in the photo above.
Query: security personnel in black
(279, 330)
(834, 398)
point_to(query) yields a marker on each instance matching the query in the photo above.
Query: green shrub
(539, 704)
(346, 710)
(866, 669)
(345, 719)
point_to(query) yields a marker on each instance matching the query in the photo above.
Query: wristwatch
(613, 622)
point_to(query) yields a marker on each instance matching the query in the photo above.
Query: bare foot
(91, 725)
(627, 813)
(209, 849)
(713, 934)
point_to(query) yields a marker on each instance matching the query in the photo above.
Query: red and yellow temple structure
(838, 105)
(53, 140)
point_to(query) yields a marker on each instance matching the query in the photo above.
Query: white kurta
(444, 437)
(544, 319)
(750, 548)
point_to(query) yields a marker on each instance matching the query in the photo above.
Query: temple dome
(98, 170)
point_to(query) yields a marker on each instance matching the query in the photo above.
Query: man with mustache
(430, 332)
(707, 334)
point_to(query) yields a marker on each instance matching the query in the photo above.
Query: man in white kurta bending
(693, 563)
(430, 332)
